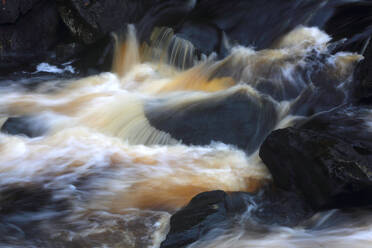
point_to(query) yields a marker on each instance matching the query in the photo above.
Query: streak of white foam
(74, 153)
(45, 67)
(294, 238)
(306, 37)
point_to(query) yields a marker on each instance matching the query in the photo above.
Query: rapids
(119, 152)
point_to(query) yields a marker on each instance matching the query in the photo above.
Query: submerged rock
(23, 125)
(210, 214)
(23, 208)
(241, 118)
(273, 206)
(328, 160)
(32, 198)
(205, 37)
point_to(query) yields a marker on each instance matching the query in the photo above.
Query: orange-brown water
(135, 175)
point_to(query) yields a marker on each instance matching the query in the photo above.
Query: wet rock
(23, 207)
(205, 212)
(34, 32)
(24, 125)
(205, 38)
(169, 13)
(89, 59)
(37, 30)
(90, 20)
(349, 123)
(352, 20)
(273, 206)
(261, 23)
(210, 214)
(11, 10)
(256, 23)
(240, 118)
(31, 198)
(318, 99)
(327, 160)
(363, 82)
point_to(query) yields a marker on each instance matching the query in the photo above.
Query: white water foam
(45, 67)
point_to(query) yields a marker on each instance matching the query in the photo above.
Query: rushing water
(115, 157)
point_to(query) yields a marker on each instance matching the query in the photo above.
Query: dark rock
(35, 31)
(203, 36)
(68, 52)
(31, 35)
(25, 211)
(210, 214)
(205, 212)
(363, 82)
(29, 198)
(273, 206)
(330, 169)
(318, 99)
(327, 85)
(353, 21)
(169, 13)
(350, 123)
(240, 118)
(90, 20)
(11, 10)
(24, 125)
(90, 59)
(73, 59)
(257, 23)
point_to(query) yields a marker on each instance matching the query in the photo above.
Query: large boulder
(240, 117)
(328, 160)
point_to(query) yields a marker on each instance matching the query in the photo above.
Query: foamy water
(45, 67)
(120, 177)
(329, 229)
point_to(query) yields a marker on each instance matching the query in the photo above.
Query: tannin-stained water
(121, 151)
